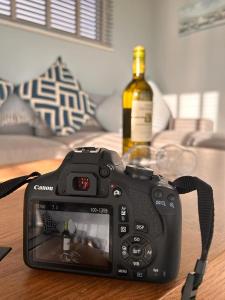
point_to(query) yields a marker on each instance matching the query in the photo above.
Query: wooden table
(20, 282)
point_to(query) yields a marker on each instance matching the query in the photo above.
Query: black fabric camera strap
(187, 184)
(9, 187)
(14, 184)
(183, 185)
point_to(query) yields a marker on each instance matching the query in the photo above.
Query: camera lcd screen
(71, 235)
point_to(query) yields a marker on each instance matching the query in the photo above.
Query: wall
(24, 55)
(190, 64)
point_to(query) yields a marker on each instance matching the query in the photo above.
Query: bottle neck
(138, 67)
(66, 226)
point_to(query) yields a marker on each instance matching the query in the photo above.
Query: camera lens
(81, 183)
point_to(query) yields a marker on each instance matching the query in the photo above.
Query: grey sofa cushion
(207, 140)
(16, 117)
(19, 149)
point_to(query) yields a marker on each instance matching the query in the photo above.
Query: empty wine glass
(175, 160)
(169, 160)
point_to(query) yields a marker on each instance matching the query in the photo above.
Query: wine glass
(170, 160)
(175, 160)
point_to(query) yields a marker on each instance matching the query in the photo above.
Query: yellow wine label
(141, 121)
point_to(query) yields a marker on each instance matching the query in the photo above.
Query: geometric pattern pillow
(6, 88)
(57, 97)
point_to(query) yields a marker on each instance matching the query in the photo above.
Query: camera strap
(9, 187)
(183, 185)
(187, 184)
(14, 184)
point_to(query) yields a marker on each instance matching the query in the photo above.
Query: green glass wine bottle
(137, 105)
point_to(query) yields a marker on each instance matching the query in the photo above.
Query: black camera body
(93, 216)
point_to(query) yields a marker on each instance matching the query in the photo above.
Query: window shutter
(63, 15)
(89, 20)
(96, 20)
(31, 10)
(106, 22)
(5, 7)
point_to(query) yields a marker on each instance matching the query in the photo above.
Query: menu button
(122, 271)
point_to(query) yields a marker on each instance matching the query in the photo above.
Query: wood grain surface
(17, 281)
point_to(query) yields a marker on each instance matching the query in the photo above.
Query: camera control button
(141, 227)
(123, 214)
(136, 250)
(137, 239)
(124, 251)
(140, 275)
(171, 197)
(117, 192)
(137, 263)
(123, 229)
(158, 194)
(104, 172)
(122, 271)
(148, 253)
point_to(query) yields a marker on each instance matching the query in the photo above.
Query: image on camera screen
(70, 235)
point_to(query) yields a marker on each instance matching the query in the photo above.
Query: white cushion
(109, 112)
(161, 111)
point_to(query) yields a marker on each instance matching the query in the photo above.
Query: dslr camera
(94, 216)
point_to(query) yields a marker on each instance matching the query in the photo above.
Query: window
(87, 20)
(195, 106)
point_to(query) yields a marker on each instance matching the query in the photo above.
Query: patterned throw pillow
(6, 88)
(57, 97)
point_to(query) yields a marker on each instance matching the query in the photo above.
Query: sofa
(15, 149)
(24, 137)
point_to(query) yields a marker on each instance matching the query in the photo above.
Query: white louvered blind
(31, 10)
(82, 19)
(5, 7)
(88, 18)
(63, 15)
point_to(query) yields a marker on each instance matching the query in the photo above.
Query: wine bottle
(137, 105)
(66, 238)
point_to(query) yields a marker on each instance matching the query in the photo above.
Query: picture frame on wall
(198, 15)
